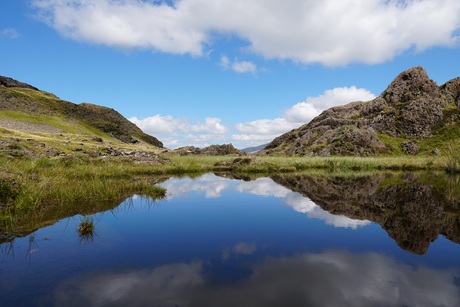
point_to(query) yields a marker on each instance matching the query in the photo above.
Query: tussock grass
(86, 226)
(78, 179)
(452, 164)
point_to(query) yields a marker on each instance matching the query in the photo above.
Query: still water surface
(217, 241)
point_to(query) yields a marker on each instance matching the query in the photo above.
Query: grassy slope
(84, 120)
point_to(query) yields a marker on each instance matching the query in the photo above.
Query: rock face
(9, 82)
(413, 108)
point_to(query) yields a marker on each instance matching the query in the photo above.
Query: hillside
(413, 115)
(213, 150)
(25, 108)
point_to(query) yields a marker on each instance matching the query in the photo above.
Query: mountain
(412, 115)
(253, 149)
(24, 107)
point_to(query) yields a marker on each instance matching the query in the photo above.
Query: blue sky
(202, 72)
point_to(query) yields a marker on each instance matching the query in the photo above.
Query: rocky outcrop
(413, 107)
(412, 212)
(114, 124)
(9, 82)
(213, 150)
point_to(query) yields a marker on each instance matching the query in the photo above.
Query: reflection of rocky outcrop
(413, 213)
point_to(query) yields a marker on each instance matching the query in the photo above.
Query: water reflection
(213, 186)
(331, 278)
(298, 202)
(240, 248)
(413, 208)
(288, 240)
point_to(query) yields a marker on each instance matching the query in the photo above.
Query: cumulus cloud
(238, 66)
(176, 132)
(244, 67)
(265, 130)
(225, 62)
(330, 32)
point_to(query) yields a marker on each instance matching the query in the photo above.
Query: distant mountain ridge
(21, 97)
(413, 114)
(254, 148)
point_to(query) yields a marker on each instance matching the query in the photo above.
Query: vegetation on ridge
(17, 102)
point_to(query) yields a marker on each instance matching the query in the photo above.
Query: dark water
(282, 241)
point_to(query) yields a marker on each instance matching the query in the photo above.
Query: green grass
(67, 126)
(453, 157)
(333, 164)
(37, 191)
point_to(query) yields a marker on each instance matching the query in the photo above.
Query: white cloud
(225, 62)
(9, 32)
(304, 112)
(330, 32)
(177, 132)
(265, 130)
(238, 66)
(265, 126)
(244, 67)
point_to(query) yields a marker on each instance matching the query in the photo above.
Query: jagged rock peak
(411, 84)
(412, 108)
(452, 90)
(10, 82)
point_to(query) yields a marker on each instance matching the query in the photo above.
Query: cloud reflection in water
(213, 186)
(267, 187)
(332, 278)
(210, 184)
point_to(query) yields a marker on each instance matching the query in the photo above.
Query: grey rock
(410, 147)
(412, 107)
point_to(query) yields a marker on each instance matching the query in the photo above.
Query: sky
(202, 72)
